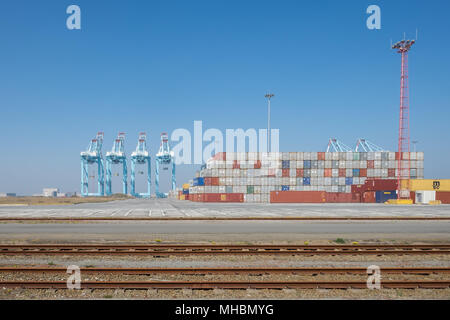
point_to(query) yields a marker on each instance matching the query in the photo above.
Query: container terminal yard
(359, 222)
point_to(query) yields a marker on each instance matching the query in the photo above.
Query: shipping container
(368, 197)
(383, 196)
(443, 196)
(297, 196)
(199, 181)
(427, 184)
(425, 196)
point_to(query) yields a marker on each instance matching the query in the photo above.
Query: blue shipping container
(348, 181)
(356, 172)
(306, 181)
(284, 188)
(199, 182)
(185, 191)
(383, 196)
(285, 164)
(307, 164)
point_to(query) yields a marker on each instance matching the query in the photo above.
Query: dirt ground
(48, 201)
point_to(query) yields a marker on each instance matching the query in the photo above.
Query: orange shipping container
(297, 196)
(257, 164)
(341, 172)
(285, 173)
(215, 181)
(320, 155)
(370, 164)
(363, 172)
(299, 172)
(327, 172)
(369, 197)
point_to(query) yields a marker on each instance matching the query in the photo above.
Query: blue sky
(156, 66)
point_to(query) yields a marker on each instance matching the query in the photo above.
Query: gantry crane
(93, 155)
(141, 157)
(364, 145)
(164, 158)
(116, 156)
(336, 146)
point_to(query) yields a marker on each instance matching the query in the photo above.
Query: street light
(268, 96)
(414, 144)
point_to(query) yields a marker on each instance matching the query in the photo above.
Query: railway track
(178, 250)
(205, 285)
(250, 271)
(72, 219)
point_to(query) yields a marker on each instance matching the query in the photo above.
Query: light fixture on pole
(414, 142)
(268, 96)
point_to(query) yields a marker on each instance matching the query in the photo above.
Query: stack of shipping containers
(262, 177)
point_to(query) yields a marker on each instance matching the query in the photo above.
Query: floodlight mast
(403, 159)
(268, 96)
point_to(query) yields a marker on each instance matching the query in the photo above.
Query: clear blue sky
(159, 65)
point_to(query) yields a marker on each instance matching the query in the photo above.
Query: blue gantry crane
(93, 155)
(334, 145)
(164, 158)
(116, 156)
(364, 145)
(141, 157)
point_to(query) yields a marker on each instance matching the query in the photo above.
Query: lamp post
(268, 96)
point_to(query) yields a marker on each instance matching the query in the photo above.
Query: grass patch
(339, 240)
(51, 263)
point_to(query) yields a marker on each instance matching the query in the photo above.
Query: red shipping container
(320, 155)
(257, 164)
(369, 197)
(331, 197)
(236, 164)
(363, 172)
(356, 197)
(357, 188)
(380, 184)
(220, 156)
(391, 172)
(341, 172)
(299, 172)
(234, 197)
(208, 181)
(370, 164)
(297, 196)
(285, 172)
(215, 181)
(327, 172)
(444, 196)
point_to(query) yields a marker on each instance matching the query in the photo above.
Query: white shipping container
(335, 173)
(292, 172)
(293, 156)
(342, 181)
(424, 197)
(343, 164)
(299, 156)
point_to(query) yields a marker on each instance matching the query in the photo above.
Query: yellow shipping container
(427, 184)
(186, 186)
(182, 197)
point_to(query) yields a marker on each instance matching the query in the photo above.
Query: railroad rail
(205, 285)
(233, 270)
(72, 219)
(202, 249)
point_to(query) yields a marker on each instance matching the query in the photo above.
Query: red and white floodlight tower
(404, 167)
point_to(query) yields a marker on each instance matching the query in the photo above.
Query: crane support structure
(334, 145)
(404, 165)
(93, 155)
(364, 145)
(164, 158)
(116, 156)
(141, 157)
